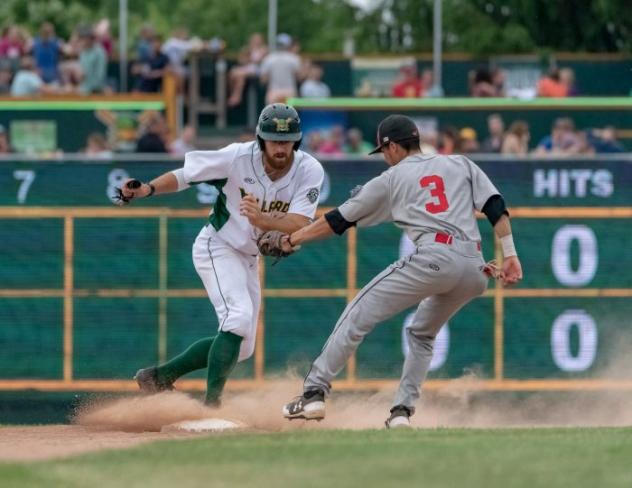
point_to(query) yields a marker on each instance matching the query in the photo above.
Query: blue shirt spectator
(151, 73)
(46, 51)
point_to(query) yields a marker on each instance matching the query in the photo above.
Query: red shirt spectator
(551, 86)
(409, 84)
(12, 44)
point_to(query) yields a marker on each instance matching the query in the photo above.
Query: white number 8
(115, 179)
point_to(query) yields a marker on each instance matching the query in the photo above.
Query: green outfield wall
(90, 292)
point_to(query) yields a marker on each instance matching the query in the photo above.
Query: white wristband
(509, 249)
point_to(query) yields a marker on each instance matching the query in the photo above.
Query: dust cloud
(456, 406)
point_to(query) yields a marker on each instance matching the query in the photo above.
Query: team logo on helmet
(282, 125)
(312, 195)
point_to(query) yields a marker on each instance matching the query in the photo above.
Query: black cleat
(148, 382)
(400, 417)
(309, 406)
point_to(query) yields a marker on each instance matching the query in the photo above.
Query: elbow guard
(495, 208)
(337, 222)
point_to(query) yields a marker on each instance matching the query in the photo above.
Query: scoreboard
(90, 292)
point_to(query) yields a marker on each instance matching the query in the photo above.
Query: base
(203, 425)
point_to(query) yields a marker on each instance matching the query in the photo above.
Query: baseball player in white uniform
(264, 185)
(432, 198)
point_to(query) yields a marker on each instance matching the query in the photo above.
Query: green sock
(222, 358)
(195, 357)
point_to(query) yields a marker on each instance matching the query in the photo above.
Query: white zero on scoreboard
(441, 345)
(561, 255)
(561, 351)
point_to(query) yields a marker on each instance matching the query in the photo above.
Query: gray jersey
(424, 194)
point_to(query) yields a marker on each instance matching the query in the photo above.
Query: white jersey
(237, 170)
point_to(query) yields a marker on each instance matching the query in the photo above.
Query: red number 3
(437, 191)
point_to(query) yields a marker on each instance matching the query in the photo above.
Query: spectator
(604, 140)
(97, 146)
(27, 82)
(467, 142)
(562, 141)
(408, 85)
(584, 145)
(184, 143)
(70, 69)
(447, 141)
(250, 58)
(177, 48)
(567, 79)
(5, 147)
(356, 143)
(153, 140)
(484, 83)
(498, 81)
(516, 140)
(144, 48)
(551, 85)
(151, 73)
(314, 141)
(430, 89)
(429, 141)
(93, 63)
(281, 70)
(47, 50)
(496, 129)
(333, 145)
(103, 36)
(13, 45)
(313, 86)
(6, 75)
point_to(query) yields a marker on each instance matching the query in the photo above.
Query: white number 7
(27, 176)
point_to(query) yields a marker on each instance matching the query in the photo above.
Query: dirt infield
(55, 441)
(131, 420)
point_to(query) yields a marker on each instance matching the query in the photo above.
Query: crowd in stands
(45, 63)
(564, 140)
(284, 72)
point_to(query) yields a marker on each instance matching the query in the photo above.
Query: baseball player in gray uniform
(432, 198)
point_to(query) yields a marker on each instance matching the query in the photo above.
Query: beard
(279, 161)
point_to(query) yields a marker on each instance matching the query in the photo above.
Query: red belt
(447, 239)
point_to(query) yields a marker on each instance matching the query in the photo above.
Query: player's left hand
(511, 272)
(249, 208)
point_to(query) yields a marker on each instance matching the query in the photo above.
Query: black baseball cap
(395, 128)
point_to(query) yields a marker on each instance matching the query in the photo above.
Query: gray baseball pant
(442, 278)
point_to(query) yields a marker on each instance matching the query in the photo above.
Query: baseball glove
(269, 244)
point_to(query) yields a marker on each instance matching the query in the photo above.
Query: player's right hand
(511, 272)
(130, 188)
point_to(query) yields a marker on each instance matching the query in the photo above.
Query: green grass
(430, 458)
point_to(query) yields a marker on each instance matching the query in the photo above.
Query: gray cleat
(148, 382)
(400, 417)
(309, 406)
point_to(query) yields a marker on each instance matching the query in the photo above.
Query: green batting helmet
(279, 122)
